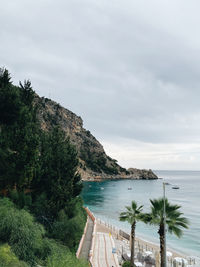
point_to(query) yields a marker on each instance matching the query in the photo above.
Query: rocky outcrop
(141, 174)
(94, 163)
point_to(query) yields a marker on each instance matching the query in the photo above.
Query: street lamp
(164, 222)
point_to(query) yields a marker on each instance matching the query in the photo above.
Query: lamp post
(164, 222)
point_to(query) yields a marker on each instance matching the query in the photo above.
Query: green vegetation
(8, 258)
(97, 162)
(132, 215)
(41, 214)
(64, 258)
(18, 229)
(126, 264)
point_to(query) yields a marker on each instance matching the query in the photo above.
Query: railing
(142, 246)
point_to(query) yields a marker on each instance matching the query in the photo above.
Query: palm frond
(132, 213)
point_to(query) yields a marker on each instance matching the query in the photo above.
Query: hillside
(94, 163)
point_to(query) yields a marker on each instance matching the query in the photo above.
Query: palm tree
(174, 221)
(132, 215)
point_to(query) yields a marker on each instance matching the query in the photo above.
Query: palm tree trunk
(162, 245)
(132, 243)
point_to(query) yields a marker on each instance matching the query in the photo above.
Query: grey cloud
(123, 66)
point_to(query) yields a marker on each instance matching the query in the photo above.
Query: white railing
(142, 247)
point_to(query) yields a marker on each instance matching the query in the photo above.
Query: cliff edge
(94, 164)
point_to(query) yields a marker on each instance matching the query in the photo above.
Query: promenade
(85, 249)
(106, 246)
(102, 254)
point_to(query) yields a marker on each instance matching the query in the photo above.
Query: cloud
(130, 69)
(131, 153)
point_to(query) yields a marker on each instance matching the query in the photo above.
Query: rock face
(142, 174)
(94, 163)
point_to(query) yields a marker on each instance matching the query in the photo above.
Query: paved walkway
(102, 254)
(84, 254)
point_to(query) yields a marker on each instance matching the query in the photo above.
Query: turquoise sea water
(107, 199)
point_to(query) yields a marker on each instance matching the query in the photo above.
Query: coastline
(144, 244)
(122, 243)
(108, 198)
(98, 179)
(132, 174)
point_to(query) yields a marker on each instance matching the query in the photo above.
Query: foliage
(58, 181)
(21, 199)
(62, 257)
(18, 135)
(97, 161)
(38, 172)
(132, 215)
(175, 222)
(70, 224)
(126, 264)
(8, 258)
(9, 99)
(18, 229)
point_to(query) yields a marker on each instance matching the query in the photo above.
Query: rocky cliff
(94, 163)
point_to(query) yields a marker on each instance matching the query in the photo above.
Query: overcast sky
(130, 69)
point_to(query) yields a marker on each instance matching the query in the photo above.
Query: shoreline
(143, 239)
(146, 244)
(149, 243)
(122, 244)
(142, 247)
(93, 179)
(141, 243)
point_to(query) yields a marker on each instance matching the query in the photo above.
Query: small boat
(175, 187)
(102, 188)
(129, 188)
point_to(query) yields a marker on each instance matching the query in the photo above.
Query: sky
(130, 69)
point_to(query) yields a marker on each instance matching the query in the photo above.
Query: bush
(8, 258)
(18, 229)
(126, 264)
(65, 259)
(70, 225)
(21, 199)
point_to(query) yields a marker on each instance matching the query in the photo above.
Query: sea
(107, 199)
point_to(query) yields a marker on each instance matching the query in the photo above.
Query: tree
(9, 99)
(132, 215)
(175, 222)
(57, 179)
(18, 134)
(27, 93)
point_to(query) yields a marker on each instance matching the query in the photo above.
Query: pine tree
(18, 134)
(58, 178)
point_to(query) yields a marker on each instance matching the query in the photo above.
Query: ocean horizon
(108, 198)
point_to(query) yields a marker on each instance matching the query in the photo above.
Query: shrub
(70, 225)
(65, 259)
(126, 264)
(21, 199)
(8, 258)
(18, 229)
